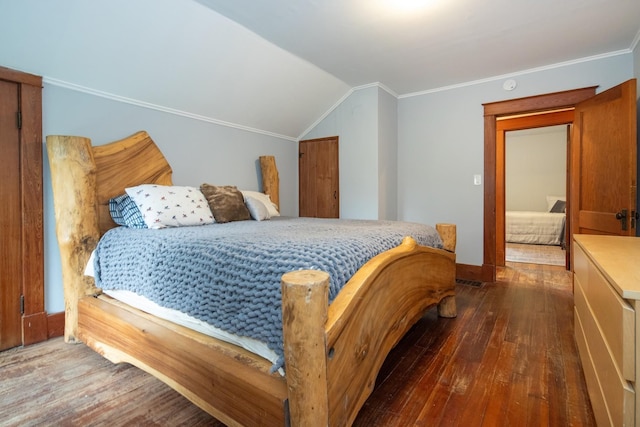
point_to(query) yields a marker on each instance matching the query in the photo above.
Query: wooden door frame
(34, 318)
(493, 167)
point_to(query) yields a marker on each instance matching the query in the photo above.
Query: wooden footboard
(226, 381)
(332, 353)
(366, 320)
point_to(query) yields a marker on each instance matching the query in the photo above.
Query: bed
(539, 228)
(332, 352)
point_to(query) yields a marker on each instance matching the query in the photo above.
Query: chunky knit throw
(229, 274)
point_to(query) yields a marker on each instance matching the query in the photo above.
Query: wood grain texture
(303, 327)
(73, 179)
(222, 379)
(10, 219)
(22, 215)
(270, 179)
(465, 372)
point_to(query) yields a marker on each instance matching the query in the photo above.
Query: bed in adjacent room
(257, 319)
(539, 228)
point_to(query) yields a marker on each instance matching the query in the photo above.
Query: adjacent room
(319, 213)
(536, 184)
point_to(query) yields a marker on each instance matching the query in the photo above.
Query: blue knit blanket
(229, 274)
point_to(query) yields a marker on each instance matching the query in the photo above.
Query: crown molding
(164, 109)
(519, 73)
(635, 42)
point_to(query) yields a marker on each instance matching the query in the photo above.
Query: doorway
(536, 194)
(494, 165)
(528, 215)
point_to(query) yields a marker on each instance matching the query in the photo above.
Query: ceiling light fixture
(408, 5)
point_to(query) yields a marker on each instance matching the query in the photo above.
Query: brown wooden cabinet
(22, 316)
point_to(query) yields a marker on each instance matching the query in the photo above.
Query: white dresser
(607, 324)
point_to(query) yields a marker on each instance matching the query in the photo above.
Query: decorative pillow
(551, 200)
(125, 212)
(257, 209)
(226, 202)
(265, 199)
(559, 207)
(170, 206)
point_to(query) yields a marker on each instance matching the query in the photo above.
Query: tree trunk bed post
(305, 296)
(448, 235)
(270, 178)
(71, 162)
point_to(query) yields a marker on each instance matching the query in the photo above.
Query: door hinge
(21, 304)
(19, 119)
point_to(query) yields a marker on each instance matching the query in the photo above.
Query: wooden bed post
(447, 307)
(447, 233)
(270, 179)
(305, 299)
(72, 170)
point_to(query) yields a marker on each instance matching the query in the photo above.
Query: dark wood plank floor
(508, 359)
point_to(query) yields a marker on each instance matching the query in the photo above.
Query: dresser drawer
(614, 317)
(612, 397)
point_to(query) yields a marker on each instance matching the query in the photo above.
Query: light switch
(477, 179)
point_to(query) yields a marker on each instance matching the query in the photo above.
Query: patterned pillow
(257, 209)
(226, 202)
(171, 206)
(125, 212)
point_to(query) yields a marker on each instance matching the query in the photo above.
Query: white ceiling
(445, 43)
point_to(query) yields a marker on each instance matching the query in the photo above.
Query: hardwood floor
(508, 359)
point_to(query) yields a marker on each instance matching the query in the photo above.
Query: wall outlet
(477, 179)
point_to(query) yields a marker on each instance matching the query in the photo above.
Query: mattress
(541, 228)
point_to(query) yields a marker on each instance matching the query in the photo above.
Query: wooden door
(319, 194)
(21, 219)
(603, 193)
(10, 218)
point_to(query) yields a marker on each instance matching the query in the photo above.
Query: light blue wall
(355, 121)
(535, 167)
(198, 152)
(388, 155)
(441, 144)
(367, 124)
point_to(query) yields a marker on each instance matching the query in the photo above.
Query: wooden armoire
(23, 319)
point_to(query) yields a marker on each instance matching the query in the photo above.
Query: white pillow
(551, 200)
(171, 206)
(257, 209)
(265, 199)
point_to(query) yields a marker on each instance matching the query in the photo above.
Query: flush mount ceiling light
(408, 5)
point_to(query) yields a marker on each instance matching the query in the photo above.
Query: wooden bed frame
(332, 353)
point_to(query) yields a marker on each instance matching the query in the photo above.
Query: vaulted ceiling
(277, 66)
(416, 45)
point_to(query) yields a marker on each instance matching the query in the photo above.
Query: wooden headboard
(84, 178)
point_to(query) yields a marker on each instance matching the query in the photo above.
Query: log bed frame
(333, 352)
